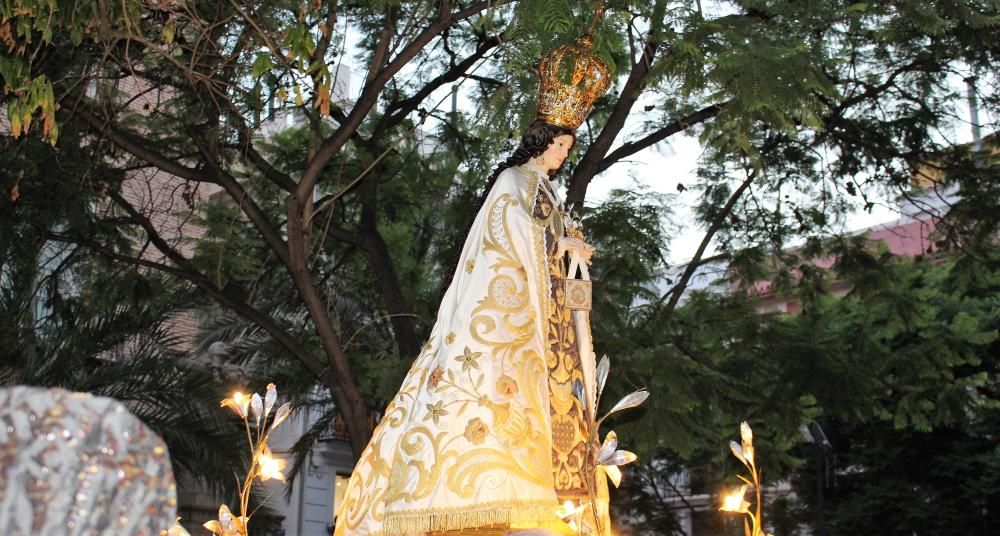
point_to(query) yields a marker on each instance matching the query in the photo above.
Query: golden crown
(571, 79)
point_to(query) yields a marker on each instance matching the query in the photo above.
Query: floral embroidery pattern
(435, 378)
(476, 408)
(506, 386)
(436, 411)
(476, 431)
(468, 359)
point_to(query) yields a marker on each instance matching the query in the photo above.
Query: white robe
(467, 442)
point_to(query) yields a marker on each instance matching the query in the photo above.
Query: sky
(662, 167)
(675, 160)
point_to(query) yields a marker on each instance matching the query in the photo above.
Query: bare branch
(327, 36)
(242, 198)
(713, 228)
(227, 299)
(396, 111)
(369, 95)
(679, 125)
(246, 147)
(130, 143)
(381, 53)
(348, 396)
(634, 85)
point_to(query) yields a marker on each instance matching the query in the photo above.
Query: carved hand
(573, 244)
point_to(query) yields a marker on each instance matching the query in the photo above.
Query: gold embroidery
(561, 354)
(492, 514)
(435, 411)
(498, 233)
(414, 442)
(504, 295)
(545, 207)
(507, 292)
(474, 420)
(568, 439)
(475, 431)
(468, 359)
(434, 378)
(506, 386)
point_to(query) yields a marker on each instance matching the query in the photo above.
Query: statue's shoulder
(515, 176)
(518, 182)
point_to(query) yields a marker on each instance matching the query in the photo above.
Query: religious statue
(489, 431)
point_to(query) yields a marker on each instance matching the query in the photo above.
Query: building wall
(309, 510)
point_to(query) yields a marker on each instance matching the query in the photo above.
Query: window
(339, 488)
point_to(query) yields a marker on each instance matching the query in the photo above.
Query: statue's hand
(573, 244)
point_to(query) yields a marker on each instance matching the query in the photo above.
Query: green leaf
(262, 64)
(168, 31)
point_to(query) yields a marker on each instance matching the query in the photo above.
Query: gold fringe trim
(483, 515)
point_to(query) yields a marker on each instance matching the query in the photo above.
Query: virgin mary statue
(488, 433)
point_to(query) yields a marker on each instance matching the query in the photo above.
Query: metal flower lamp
(605, 460)
(263, 464)
(736, 502)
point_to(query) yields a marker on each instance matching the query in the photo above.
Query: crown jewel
(571, 79)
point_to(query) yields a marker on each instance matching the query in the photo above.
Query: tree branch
(381, 52)
(872, 91)
(224, 298)
(347, 395)
(396, 111)
(369, 96)
(246, 147)
(592, 159)
(679, 125)
(131, 144)
(324, 42)
(243, 200)
(713, 228)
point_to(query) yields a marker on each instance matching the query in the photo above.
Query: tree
(800, 106)
(924, 463)
(67, 325)
(900, 372)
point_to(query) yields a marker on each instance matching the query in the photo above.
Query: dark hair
(535, 140)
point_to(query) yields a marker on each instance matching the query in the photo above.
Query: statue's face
(553, 157)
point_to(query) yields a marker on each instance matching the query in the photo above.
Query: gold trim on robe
(483, 433)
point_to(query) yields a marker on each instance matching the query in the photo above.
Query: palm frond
(301, 449)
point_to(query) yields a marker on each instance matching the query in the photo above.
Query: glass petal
(226, 519)
(257, 406)
(243, 401)
(630, 401)
(279, 416)
(609, 446)
(270, 398)
(737, 451)
(602, 373)
(746, 434)
(621, 457)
